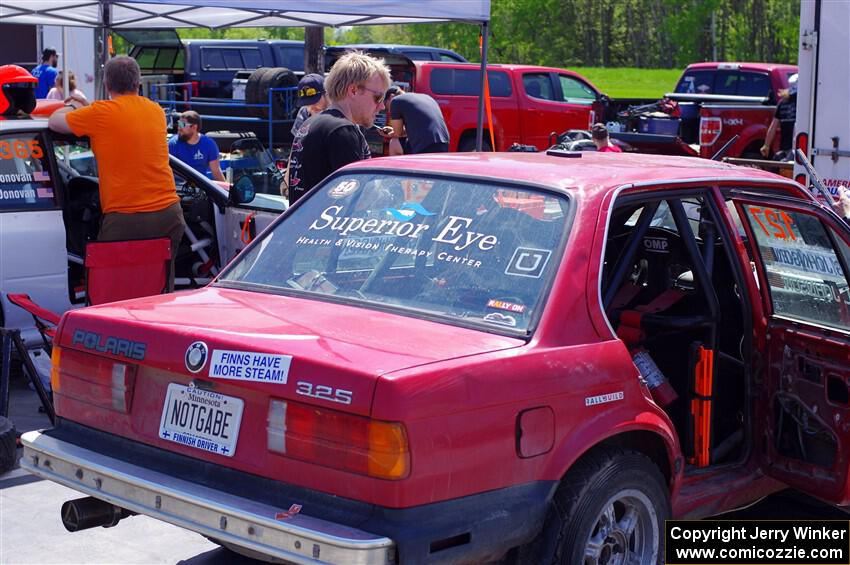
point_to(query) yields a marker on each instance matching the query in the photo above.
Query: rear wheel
(609, 510)
(7, 445)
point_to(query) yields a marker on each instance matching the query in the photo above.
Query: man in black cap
(46, 72)
(418, 118)
(311, 99)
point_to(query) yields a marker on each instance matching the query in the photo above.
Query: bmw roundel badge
(196, 356)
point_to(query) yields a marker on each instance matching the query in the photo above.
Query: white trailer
(822, 129)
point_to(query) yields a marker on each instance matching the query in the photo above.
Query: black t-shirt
(786, 113)
(423, 120)
(323, 143)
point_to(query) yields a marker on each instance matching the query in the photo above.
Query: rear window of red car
(472, 252)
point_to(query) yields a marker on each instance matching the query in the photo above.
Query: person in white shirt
(57, 92)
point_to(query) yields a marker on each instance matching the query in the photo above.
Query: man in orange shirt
(129, 141)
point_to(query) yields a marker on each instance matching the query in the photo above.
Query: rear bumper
(472, 529)
(210, 512)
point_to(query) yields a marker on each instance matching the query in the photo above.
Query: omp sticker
(505, 305)
(249, 366)
(499, 318)
(603, 398)
(344, 188)
(528, 262)
(656, 244)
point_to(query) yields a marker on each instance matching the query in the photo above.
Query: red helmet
(17, 90)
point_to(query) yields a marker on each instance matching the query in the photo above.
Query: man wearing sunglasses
(327, 141)
(194, 148)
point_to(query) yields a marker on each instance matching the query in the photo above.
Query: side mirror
(242, 191)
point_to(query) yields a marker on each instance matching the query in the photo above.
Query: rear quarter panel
(462, 419)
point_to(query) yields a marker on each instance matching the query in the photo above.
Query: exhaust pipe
(90, 512)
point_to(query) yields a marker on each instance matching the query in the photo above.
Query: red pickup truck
(529, 103)
(716, 101)
(454, 358)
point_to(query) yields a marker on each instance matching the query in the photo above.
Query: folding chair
(119, 270)
(115, 270)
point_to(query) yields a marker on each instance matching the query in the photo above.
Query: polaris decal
(249, 366)
(603, 398)
(117, 346)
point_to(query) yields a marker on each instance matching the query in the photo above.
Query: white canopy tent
(217, 14)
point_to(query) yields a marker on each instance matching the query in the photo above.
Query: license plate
(201, 419)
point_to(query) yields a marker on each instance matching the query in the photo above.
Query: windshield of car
(475, 252)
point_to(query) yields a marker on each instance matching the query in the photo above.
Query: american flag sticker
(44, 192)
(41, 176)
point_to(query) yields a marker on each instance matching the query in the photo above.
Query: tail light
(93, 379)
(802, 143)
(55, 359)
(591, 119)
(339, 440)
(710, 129)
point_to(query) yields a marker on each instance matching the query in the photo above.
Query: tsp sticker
(250, 366)
(528, 262)
(344, 188)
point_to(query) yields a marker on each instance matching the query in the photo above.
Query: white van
(822, 129)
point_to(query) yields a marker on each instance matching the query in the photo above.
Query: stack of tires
(257, 92)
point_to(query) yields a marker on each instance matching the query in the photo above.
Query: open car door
(802, 419)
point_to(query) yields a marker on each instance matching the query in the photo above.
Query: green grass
(630, 82)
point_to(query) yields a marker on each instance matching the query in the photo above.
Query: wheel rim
(625, 532)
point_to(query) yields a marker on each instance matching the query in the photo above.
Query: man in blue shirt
(193, 148)
(46, 72)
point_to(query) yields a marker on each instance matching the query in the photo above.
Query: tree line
(596, 33)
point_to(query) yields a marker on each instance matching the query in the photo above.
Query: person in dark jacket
(417, 122)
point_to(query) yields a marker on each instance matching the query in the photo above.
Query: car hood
(330, 344)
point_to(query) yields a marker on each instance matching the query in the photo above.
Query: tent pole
(479, 130)
(102, 49)
(65, 77)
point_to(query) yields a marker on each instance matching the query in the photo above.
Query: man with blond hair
(128, 137)
(327, 141)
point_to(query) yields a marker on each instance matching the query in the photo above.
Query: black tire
(467, 144)
(595, 496)
(8, 457)
(252, 89)
(260, 83)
